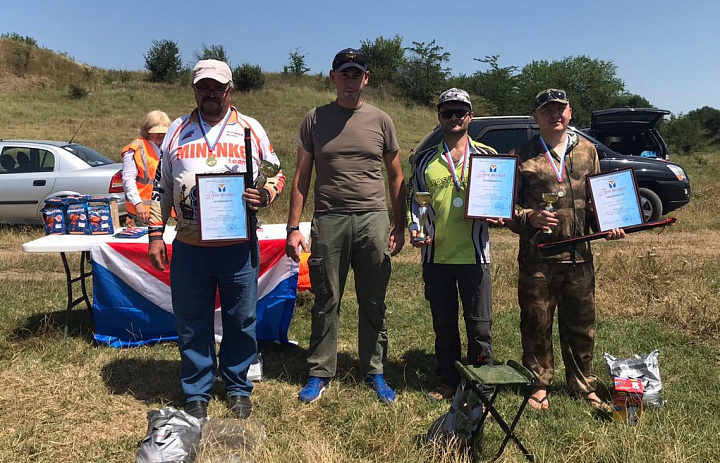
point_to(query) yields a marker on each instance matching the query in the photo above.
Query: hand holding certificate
(491, 187)
(222, 211)
(615, 199)
(616, 205)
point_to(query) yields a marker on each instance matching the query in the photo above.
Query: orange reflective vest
(146, 162)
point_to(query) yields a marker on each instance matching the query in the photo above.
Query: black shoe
(196, 408)
(241, 406)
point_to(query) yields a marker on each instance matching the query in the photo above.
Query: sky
(665, 51)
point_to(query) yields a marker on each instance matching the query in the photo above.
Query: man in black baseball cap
(349, 58)
(347, 142)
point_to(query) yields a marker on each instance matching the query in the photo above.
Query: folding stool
(510, 374)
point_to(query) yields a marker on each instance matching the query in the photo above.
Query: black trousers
(443, 284)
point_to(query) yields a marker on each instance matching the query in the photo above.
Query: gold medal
(211, 161)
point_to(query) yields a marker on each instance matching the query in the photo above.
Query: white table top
(78, 243)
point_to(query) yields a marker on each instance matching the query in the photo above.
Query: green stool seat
(510, 374)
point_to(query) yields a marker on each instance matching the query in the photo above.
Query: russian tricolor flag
(132, 304)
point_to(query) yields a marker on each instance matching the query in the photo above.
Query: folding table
(510, 374)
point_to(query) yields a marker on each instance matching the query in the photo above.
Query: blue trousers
(196, 272)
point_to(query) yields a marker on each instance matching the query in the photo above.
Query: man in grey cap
(210, 140)
(348, 141)
(456, 253)
(556, 161)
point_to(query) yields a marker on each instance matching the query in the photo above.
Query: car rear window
(89, 155)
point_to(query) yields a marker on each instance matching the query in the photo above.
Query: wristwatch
(289, 229)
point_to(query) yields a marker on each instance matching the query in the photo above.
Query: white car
(33, 170)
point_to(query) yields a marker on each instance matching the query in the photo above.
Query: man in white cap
(456, 252)
(210, 140)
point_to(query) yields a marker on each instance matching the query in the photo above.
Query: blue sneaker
(313, 389)
(383, 391)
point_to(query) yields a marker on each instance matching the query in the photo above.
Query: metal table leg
(82, 276)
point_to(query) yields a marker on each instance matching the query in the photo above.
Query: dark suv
(662, 186)
(630, 131)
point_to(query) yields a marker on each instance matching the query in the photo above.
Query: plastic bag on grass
(644, 367)
(227, 440)
(173, 436)
(462, 420)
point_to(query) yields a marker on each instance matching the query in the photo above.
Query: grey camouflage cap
(454, 94)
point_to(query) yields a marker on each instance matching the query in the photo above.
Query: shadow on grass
(80, 324)
(288, 363)
(150, 381)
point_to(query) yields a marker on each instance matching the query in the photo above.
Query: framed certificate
(222, 211)
(615, 199)
(491, 187)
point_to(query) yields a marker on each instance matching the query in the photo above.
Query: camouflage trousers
(570, 288)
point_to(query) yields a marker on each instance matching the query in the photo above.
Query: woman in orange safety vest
(140, 161)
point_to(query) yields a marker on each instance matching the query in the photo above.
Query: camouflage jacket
(536, 176)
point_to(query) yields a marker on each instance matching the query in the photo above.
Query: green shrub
(76, 92)
(248, 77)
(163, 61)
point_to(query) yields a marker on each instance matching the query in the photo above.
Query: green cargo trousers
(340, 241)
(571, 288)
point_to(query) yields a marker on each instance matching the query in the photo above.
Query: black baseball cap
(348, 58)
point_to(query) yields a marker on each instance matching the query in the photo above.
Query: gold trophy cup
(423, 198)
(549, 199)
(267, 169)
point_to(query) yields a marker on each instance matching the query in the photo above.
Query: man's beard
(211, 110)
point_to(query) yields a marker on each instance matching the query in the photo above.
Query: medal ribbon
(559, 173)
(451, 164)
(211, 147)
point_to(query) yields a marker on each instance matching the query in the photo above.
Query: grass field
(74, 401)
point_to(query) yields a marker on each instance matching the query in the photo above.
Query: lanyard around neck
(451, 164)
(211, 147)
(559, 173)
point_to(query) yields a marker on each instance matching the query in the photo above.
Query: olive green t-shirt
(348, 146)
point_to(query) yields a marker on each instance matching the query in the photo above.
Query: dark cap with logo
(550, 95)
(349, 58)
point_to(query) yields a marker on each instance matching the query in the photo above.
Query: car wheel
(650, 205)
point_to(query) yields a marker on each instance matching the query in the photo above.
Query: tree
(497, 85)
(591, 84)
(163, 61)
(214, 52)
(385, 57)
(248, 77)
(297, 65)
(709, 120)
(684, 133)
(423, 77)
(629, 100)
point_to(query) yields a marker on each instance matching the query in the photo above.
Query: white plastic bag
(644, 367)
(173, 436)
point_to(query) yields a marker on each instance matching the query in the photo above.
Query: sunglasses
(449, 113)
(550, 95)
(212, 92)
(349, 57)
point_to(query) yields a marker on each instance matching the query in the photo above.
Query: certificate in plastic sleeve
(491, 187)
(222, 211)
(615, 199)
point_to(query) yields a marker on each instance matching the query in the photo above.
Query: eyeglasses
(550, 95)
(212, 92)
(349, 57)
(449, 113)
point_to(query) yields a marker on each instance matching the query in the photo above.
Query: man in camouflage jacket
(556, 161)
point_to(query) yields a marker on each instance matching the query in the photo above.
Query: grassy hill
(71, 400)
